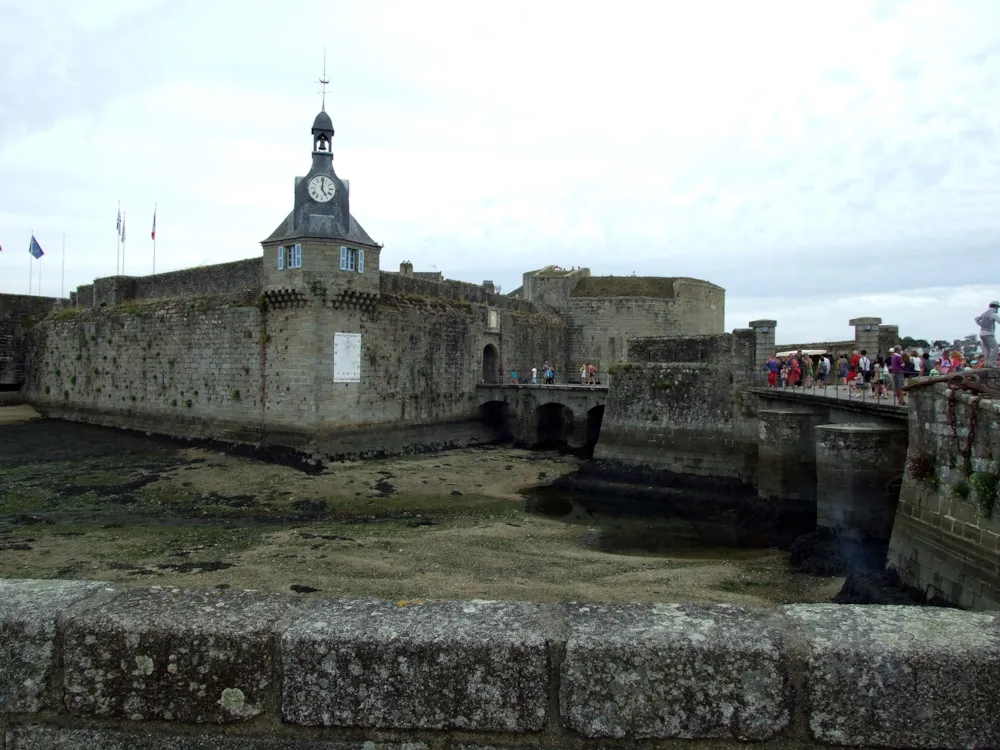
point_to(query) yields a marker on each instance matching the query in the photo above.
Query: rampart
(671, 406)
(18, 315)
(603, 313)
(946, 537)
(401, 285)
(241, 277)
(240, 369)
(86, 664)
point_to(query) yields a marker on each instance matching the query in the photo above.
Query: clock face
(322, 188)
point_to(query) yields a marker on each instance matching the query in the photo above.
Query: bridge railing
(601, 378)
(880, 391)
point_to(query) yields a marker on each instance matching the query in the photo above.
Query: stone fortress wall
(221, 361)
(671, 405)
(946, 537)
(603, 313)
(85, 664)
(237, 277)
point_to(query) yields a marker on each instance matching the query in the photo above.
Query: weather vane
(324, 80)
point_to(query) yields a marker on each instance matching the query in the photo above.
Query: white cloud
(803, 156)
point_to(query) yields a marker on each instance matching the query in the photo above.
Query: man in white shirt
(865, 366)
(987, 333)
(534, 376)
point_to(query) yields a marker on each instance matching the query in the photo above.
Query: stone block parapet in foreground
(93, 665)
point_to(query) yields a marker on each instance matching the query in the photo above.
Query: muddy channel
(78, 501)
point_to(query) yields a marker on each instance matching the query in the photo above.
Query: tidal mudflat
(78, 501)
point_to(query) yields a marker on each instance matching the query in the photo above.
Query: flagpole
(154, 239)
(123, 243)
(62, 281)
(30, 266)
(118, 239)
(39, 277)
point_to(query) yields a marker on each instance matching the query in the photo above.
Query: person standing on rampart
(987, 333)
(773, 367)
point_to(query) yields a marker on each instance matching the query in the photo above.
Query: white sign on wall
(347, 358)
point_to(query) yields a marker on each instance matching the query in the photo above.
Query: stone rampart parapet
(89, 664)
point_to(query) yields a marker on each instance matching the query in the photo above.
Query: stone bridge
(540, 415)
(835, 403)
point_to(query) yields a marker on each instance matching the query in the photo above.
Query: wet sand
(78, 501)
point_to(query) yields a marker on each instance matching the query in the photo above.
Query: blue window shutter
(343, 258)
(281, 257)
(361, 261)
(298, 256)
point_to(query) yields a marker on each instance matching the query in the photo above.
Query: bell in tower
(322, 132)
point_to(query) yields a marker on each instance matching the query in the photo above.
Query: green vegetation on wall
(984, 487)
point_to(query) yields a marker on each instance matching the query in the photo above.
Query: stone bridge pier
(843, 466)
(545, 415)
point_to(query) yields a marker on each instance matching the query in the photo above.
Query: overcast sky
(818, 160)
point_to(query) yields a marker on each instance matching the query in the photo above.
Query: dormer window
(289, 257)
(352, 259)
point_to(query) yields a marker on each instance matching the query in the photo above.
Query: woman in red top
(795, 374)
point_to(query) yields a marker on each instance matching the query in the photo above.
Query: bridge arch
(496, 416)
(555, 423)
(491, 359)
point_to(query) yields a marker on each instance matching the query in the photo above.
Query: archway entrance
(555, 425)
(489, 364)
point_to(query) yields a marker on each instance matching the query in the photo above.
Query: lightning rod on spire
(324, 81)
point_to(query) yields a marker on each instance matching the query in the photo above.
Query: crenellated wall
(85, 665)
(946, 534)
(220, 366)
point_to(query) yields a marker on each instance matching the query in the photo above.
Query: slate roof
(355, 233)
(322, 122)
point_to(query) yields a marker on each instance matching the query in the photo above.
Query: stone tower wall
(598, 327)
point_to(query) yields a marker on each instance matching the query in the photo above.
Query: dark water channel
(647, 534)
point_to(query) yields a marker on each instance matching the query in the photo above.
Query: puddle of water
(675, 538)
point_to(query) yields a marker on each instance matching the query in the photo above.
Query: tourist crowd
(546, 375)
(861, 373)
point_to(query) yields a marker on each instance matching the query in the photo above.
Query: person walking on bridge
(987, 333)
(897, 368)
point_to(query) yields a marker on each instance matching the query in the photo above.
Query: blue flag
(35, 249)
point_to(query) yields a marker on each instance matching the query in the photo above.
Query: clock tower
(320, 249)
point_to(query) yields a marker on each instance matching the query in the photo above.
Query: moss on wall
(631, 286)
